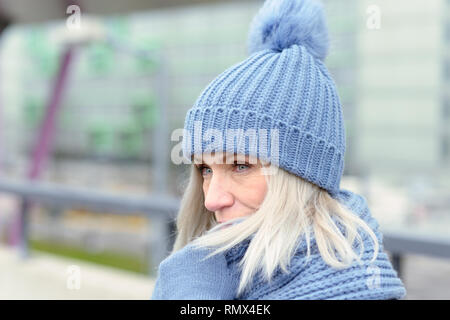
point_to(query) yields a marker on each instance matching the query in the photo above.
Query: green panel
(100, 59)
(145, 112)
(43, 54)
(33, 112)
(131, 141)
(100, 137)
(149, 64)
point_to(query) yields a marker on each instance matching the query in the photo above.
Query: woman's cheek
(258, 191)
(251, 195)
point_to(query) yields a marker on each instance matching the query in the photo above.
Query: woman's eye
(204, 170)
(241, 167)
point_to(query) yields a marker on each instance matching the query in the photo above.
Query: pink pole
(43, 146)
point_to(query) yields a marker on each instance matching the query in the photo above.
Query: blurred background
(91, 91)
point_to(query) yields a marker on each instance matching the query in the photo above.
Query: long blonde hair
(291, 208)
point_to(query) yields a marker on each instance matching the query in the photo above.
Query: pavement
(426, 277)
(46, 276)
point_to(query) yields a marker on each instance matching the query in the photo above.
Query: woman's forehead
(221, 157)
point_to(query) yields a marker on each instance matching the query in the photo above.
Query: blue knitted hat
(283, 87)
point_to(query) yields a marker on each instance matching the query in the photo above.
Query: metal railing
(400, 243)
(160, 208)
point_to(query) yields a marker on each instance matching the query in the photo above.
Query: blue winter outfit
(283, 89)
(184, 275)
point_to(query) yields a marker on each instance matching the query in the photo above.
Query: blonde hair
(291, 208)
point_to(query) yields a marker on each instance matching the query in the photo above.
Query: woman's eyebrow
(234, 159)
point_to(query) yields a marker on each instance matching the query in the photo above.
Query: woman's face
(233, 188)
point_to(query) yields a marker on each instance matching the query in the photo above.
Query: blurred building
(403, 87)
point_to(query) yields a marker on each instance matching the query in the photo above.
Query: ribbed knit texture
(290, 91)
(182, 276)
(186, 274)
(314, 279)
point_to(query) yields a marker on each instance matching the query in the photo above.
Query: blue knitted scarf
(313, 279)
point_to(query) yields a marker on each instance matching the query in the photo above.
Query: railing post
(158, 243)
(24, 251)
(397, 263)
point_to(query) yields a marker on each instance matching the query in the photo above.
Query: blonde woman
(263, 215)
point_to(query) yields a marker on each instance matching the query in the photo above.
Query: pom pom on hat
(280, 24)
(281, 91)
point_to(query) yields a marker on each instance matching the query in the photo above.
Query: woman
(264, 217)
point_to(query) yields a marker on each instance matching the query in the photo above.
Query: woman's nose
(218, 195)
